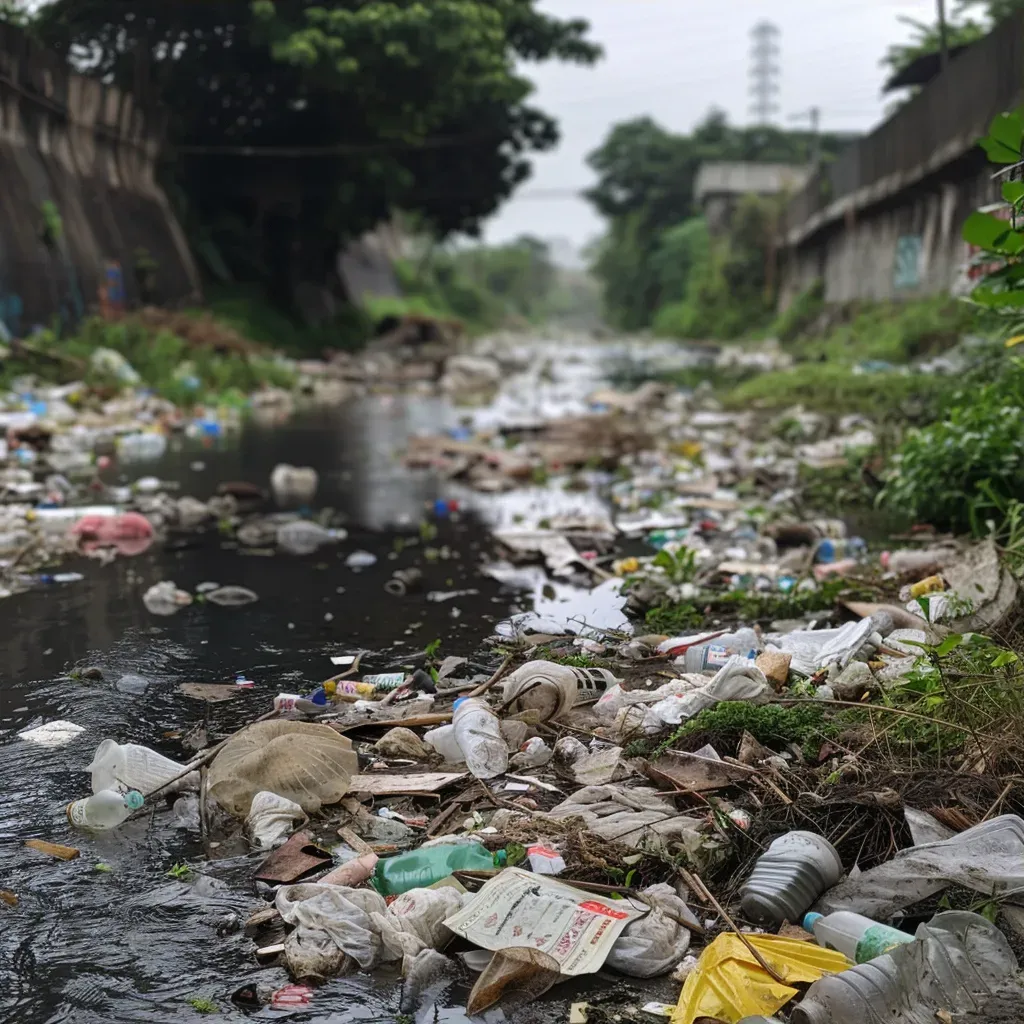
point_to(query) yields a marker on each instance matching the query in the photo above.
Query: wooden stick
(704, 892)
(999, 800)
(484, 687)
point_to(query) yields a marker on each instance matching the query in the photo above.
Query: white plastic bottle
(854, 935)
(104, 810)
(478, 733)
(122, 767)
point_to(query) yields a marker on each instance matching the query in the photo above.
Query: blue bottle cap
(133, 799)
(455, 706)
(319, 696)
(809, 920)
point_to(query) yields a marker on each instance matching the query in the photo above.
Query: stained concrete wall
(91, 151)
(884, 221)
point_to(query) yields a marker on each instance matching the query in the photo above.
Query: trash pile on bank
(673, 793)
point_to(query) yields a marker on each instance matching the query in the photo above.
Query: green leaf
(985, 296)
(1002, 145)
(951, 643)
(1013, 191)
(984, 229)
(1005, 658)
(664, 560)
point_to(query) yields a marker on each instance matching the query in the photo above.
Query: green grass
(673, 619)
(201, 1004)
(830, 387)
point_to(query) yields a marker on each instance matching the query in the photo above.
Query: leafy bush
(801, 313)
(940, 470)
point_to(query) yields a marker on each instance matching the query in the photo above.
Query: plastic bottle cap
(133, 799)
(501, 858)
(455, 706)
(809, 920)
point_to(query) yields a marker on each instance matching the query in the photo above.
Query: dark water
(88, 945)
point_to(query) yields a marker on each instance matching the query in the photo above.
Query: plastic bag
(305, 762)
(342, 913)
(658, 941)
(272, 819)
(414, 921)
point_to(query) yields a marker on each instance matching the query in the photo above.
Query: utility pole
(814, 117)
(943, 35)
(764, 71)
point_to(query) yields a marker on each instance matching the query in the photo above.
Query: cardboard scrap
(212, 693)
(53, 849)
(298, 857)
(404, 785)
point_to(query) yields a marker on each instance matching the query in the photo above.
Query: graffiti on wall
(112, 290)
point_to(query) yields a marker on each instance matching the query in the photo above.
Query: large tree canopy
(349, 109)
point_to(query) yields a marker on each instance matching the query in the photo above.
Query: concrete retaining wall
(91, 152)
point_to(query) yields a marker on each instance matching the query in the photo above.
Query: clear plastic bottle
(122, 767)
(789, 876)
(854, 935)
(104, 810)
(713, 654)
(421, 868)
(302, 537)
(442, 739)
(478, 734)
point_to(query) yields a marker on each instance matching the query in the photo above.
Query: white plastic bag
(658, 941)
(272, 819)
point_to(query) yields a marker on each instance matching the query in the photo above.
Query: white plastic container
(789, 876)
(854, 935)
(442, 739)
(477, 731)
(121, 767)
(104, 810)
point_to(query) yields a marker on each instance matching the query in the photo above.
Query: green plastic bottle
(420, 868)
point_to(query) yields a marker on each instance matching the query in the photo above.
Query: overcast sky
(674, 59)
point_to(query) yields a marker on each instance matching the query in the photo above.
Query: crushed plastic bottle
(104, 810)
(789, 876)
(708, 653)
(142, 446)
(477, 731)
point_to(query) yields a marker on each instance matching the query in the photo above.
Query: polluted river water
(113, 936)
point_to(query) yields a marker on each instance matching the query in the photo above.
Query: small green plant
(673, 619)
(679, 566)
(53, 224)
(180, 872)
(202, 1004)
(432, 648)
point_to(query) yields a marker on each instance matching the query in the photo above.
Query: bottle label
(879, 940)
(386, 680)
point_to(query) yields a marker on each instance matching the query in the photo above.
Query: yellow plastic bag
(728, 983)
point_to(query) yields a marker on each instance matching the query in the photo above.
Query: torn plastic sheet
(988, 858)
(813, 649)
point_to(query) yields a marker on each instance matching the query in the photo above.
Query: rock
(92, 672)
(854, 681)
(775, 666)
(752, 751)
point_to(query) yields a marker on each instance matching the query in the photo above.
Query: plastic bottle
(854, 935)
(954, 962)
(789, 876)
(712, 654)
(104, 810)
(302, 537)
(478, 734)
(922, 562)
(122, 767)
(421, 868)
(353, 688)
(830, 550)
(384, 681)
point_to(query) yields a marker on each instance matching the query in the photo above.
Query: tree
(968, 22)
(354, 108)
(645, 189)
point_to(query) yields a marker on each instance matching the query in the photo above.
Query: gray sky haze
(675, 59)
